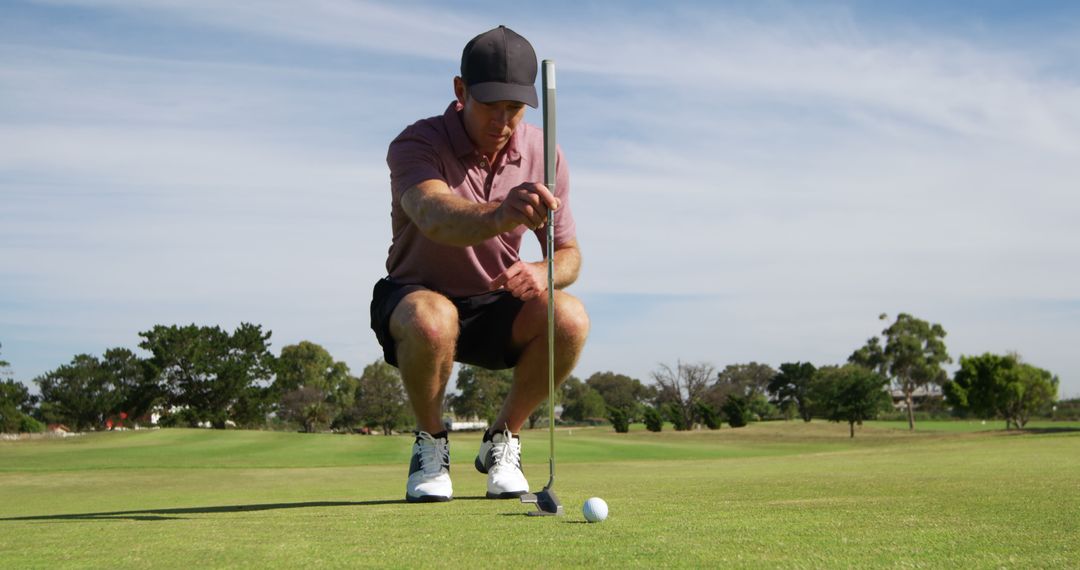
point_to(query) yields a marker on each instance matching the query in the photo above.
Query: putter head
(547, 503)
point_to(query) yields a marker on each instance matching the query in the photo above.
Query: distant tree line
(210, 377)
(908, 357)
(207, 376)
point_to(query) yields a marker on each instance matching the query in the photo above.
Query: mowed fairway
(778, 494)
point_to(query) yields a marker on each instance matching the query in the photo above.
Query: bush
(28, 424)
(736, 408)
(708, 415)
(619, 420)
(653, 420)
(676, 417)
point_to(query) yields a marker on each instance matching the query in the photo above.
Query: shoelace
(434, 453)
(507, 453)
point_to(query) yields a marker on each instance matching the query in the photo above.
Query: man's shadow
(175, 513)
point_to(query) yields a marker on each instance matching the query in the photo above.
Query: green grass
(778, 494)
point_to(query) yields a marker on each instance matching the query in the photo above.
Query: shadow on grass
(173, 514)
(1046, 430)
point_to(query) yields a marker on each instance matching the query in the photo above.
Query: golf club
(547, 503)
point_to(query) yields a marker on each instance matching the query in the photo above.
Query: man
(465, 188)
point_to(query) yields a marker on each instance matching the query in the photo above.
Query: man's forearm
(452, 220)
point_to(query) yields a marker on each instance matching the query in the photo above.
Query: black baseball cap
(500, 65)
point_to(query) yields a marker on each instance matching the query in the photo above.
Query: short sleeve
(412, 159)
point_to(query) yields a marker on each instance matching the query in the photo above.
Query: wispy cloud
(760, 181)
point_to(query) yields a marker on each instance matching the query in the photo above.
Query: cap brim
(492, 91)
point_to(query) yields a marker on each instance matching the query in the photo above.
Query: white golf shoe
(500, 458)
(429, 471)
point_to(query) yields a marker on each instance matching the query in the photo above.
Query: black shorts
(486, 324)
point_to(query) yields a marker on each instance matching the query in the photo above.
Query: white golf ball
(595, 510)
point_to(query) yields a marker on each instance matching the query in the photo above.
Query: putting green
(771, 494)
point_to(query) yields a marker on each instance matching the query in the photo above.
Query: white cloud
(793, 176)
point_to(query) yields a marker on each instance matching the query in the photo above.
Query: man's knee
(571, 319)
(425, 319)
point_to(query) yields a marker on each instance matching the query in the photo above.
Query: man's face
(489, 125)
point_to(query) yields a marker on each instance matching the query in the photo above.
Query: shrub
(736, 408)
(653, 420)
(675, 415)
(619, 420)
(28, 424)
(708, 415)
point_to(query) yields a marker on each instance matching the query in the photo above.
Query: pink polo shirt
(439, 148)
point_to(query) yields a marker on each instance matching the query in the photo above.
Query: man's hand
(526, 281)
(526, 205)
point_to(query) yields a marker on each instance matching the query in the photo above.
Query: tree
(216, 377)
(991, 384)
(80, 394)
(748, 379)
(482, 392)
(380, 398)
(16, 404)
(580, 402)
(791, 386)
(308, 407)
(850, 393)
(737, 410)
(618, 420)
(622, 392)
(912, 357)
(137, 388)
(709, 415)
(680, 388)
(675, 415)
(306, 372)
(654, 421)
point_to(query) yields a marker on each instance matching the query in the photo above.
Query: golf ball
(595, 510)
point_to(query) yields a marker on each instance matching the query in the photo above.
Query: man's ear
(460, 91)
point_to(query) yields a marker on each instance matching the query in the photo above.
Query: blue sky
(752, 180)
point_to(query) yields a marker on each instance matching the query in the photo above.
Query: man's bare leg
(425, 329)
(530, 386)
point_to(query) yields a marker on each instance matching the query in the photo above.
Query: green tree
(580, 401)
(911, 358)
(137, 388)
(679, 388)
(619, 420)
(675, 414)
(622, 392)
(654, 421)
(850, 393)
(16, 404)
(380, 398)
(215, 376)
(791, 386)
(989, 385)
(748, 379)
(481, 392)
(709, 415)
(80, 394)
(306, 369)
(737, 410)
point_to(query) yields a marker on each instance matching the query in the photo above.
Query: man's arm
(449, 219)
(528, 281)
